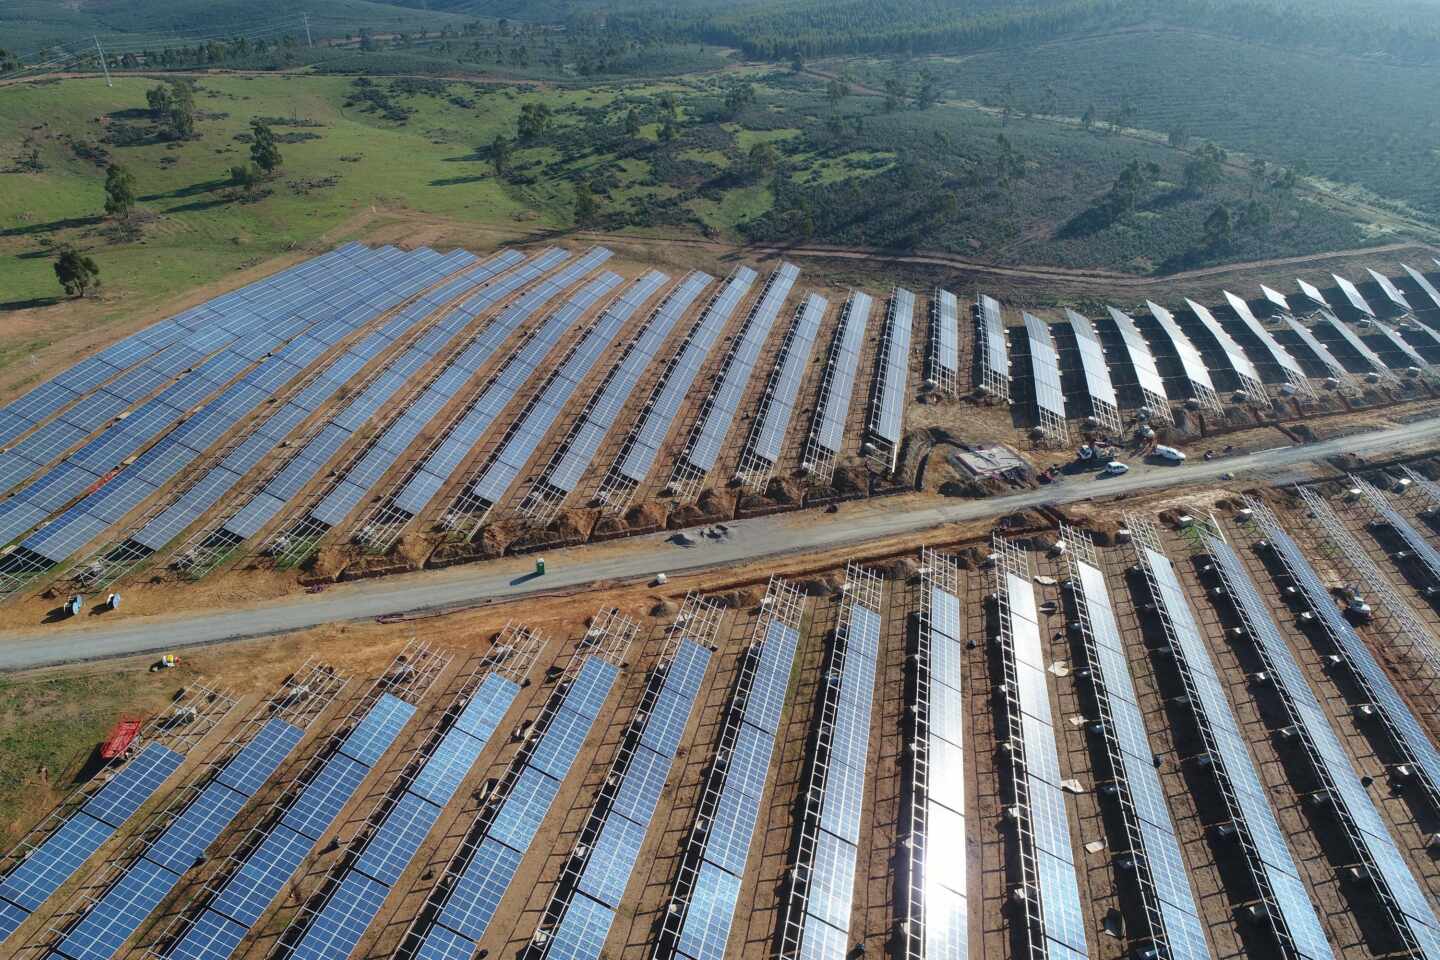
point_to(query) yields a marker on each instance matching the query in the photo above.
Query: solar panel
(1398, 342)
(1392, 292)
(1352, 294)
(248, 770)
(517, 369)
(723, 403)
(1278, 354)
(839, 386)
(1191, 362)
(477, 893)
(54, 861)
(1235, 357)
(639, 793)
(946, 353)
(100, 933)
(889, 409)
(395, 841)
(190, 834)
(1424, 284)
(136, 782)
(379, 728)
(832, 881)
(1332, 364)
(709, 914)
(1369, 356)
(995, 349)
(1045, 368)
(768, 438)
(582, 931)
(337, 931)
(323, 797)
(612, 860)
(1103, 403)
(650, 431)
(1312, 293)
(530, 430)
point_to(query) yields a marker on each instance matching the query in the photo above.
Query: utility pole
(308, 40)
(103, 65)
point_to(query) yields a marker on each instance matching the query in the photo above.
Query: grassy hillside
(1346, 119)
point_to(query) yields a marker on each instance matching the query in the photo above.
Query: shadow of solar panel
(476, 894)
(338, 929)
(612, 859)
(57, 858)
(581, 933)
(395, 842)
(710, 912)
(118, 800)
(119, 912)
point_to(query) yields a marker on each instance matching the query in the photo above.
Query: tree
(1255, 217)
(632, 123)
(763, 158)
(264, 153)
(1219, 230)
(928, 92)
(894, 95)
(586, 209)
(738, 97)
(1087, 119)
(1205, 169)
(180, 110)
(119, 192)
(1259, 170)
(246, 176)
(534, 121)
(1179, 137)
(669, 104)
(835, 91)
(76, 272)
(797, 64)
(500, 152)
(668, 130)
(159, 99)
(1134, 180)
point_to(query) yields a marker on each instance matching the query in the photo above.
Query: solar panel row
(1352, 294)
(621, 817)
(708, 436)
(1271, 865)
(995, 349)
(569, 466)
(889, 405)
(1103, 404)
(1278, 354)
(1038, 774)
(158, 465)
(463, 910)
(1370, 357)
(1411, 907)
(1142, 360)
(1332, 364)
(1392, 292)
(946, 354)
(1424, 284)
(267, 436)
(133, 352)
(1398, 342)
(1201, 386)
(138, 890)
(768, 436)
(1409, 735)
(1045, 369)
(529, 431)
(417, 413)
(262, 874)
(833, 408)
(737, 782)
(314, 455)
(1235, 358)
(1133, 766)
(60, 855)
(455, 445)
(837, 776)
(364, 882)
(649, 433)
(942, 880)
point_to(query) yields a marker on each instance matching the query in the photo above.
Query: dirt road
(750, 542)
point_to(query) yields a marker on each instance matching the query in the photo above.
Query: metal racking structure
(1045, 372)
(766, 442)
(826, 440)
(1153, 398)
(1202, 388)
(1104, 407)
(883, 428)
(943, 364)
(994, 350)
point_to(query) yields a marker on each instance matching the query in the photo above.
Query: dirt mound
(717, 504)
(972, 489)
(820, 586)
(412, 550)
(971, 558)
(664, 608)
(783, 490)
(686, 516)
(326, 563)
(756, 502)
(850, 479)
(645, 516)
(574, 524)
(738, 599)
(496, 538)
(901, 568)
(610, 525)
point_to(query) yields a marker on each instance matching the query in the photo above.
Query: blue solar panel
(587, 694)
(557, 750)
(639, 793)
(119, 912)
(452, 759)
(187, 837)
(487, 707)
(374, 735)
(820, 941)
(443, 944)
(711, 911)
(262, 875)
(54, 861)
(731, 831)
(210, 937)
(395, 841)
(324, 797)
(772, 677)
(524, 809)
(339, 927)
(749, 763)
(11, 917)
(248, 770)
(581, 933)
(832, 881)
(612, 860)
(136, 782)
(666, 726)
(476, 895)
